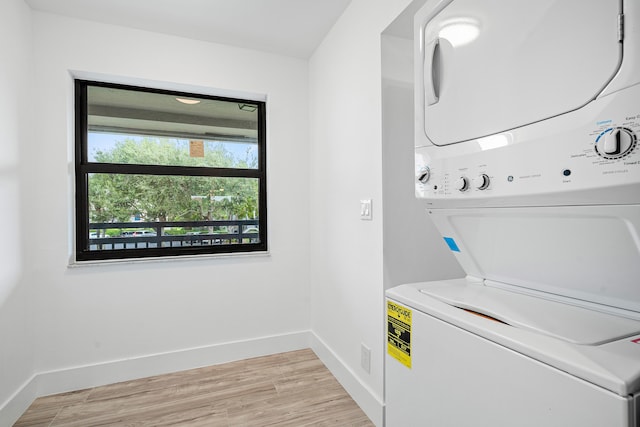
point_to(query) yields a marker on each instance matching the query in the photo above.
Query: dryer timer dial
(615, 143)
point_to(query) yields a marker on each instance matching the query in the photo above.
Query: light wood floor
(287, 389)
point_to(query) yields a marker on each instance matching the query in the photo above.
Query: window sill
(235, 255)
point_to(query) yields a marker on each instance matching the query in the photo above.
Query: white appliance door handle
(430, 75)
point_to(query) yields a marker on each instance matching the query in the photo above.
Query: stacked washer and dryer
(527, 119)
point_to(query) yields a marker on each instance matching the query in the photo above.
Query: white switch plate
(365, 209)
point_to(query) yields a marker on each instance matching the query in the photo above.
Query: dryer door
(487, 66)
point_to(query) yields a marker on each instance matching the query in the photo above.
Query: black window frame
(83, 168)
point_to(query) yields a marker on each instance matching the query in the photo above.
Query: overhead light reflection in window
(188, 101)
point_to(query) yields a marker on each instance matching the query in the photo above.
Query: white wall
(347, 291)
(16, 339)
(100, 315)
(414, 250)
(362, 147)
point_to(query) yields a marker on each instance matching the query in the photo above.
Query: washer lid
(573, 324)
(486, 66)
(587, 254)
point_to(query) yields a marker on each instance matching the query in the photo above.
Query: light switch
(365, 209)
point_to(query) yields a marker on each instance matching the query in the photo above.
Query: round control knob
(481, 182)
(424, 174)
(462, 184)
(615, 143)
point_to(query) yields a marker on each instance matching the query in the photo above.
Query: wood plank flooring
(287, 389)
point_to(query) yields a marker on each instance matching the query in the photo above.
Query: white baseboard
(81, 377)
(15, 406)
(368, 401)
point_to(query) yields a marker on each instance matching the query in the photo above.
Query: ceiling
(287, 27)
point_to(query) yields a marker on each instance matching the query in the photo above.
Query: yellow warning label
(399, 333)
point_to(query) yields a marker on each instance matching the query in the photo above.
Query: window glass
(126, 126)
(165, 173)
(151, 150)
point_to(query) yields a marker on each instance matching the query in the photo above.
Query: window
(162, 173)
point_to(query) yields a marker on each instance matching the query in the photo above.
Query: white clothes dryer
(527, 120)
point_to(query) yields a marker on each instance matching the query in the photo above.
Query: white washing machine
(527, 120)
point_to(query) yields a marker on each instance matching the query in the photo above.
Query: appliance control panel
(589, 156)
